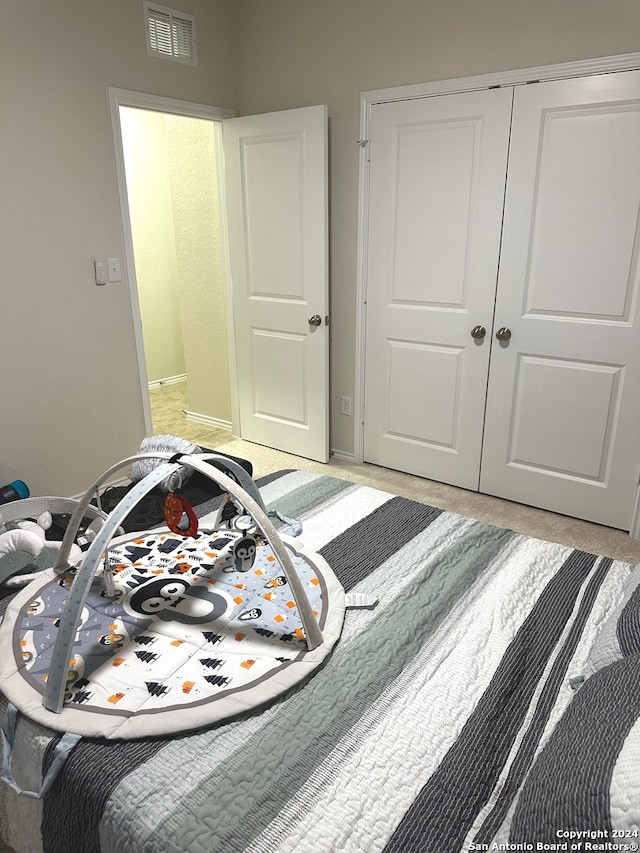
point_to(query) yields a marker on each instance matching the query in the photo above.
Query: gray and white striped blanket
(445, 720)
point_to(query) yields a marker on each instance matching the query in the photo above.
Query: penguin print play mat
(174, 640)
(195, 630)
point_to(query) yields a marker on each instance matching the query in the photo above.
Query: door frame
(126, 98)
(517, 77)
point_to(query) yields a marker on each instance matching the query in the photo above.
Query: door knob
(478, 332)
(315, 320)
(503, 334)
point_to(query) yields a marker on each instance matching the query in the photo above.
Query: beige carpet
(169, 416)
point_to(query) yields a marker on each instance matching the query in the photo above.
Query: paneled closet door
(436, 195)
(562, 428)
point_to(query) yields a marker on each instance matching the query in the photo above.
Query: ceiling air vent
(170, 34)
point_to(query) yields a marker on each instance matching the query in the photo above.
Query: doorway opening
(173, 197)
(168, 156)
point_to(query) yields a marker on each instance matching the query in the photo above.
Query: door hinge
(364, 143)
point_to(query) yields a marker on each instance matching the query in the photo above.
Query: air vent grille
(170, 34)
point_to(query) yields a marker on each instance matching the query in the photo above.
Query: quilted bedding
(489, 701)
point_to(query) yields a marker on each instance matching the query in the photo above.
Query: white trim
(634, 533)
(169, 380)
(228, 288)
(125, 98)
(537, 74)
(207, 420)
(147, 101)
(120, 481)
(582, 68)
(361, 281)
(342, 456)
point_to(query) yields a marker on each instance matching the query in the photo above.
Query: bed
(489, 700)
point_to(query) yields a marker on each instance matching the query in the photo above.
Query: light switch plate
(100, 274)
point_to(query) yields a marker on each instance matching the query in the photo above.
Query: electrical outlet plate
(113, 267)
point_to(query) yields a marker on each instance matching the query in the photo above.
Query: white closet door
(436, 195)
(563, 412)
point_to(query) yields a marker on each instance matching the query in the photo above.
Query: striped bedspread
(489, 701)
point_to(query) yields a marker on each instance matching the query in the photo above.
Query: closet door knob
(478, 332)
(503, 334)
(315, 320)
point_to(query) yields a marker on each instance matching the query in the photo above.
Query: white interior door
(563, 411)
(276, 186)
(436, 196)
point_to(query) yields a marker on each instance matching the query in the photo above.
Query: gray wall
(70, 398)
(71, 402)
(296, 53)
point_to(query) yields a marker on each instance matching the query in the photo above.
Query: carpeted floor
(169, 404)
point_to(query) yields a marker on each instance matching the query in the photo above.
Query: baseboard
(634, 533)
(207, 420)
(121, 481)
(342, 456)
(169, 380)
